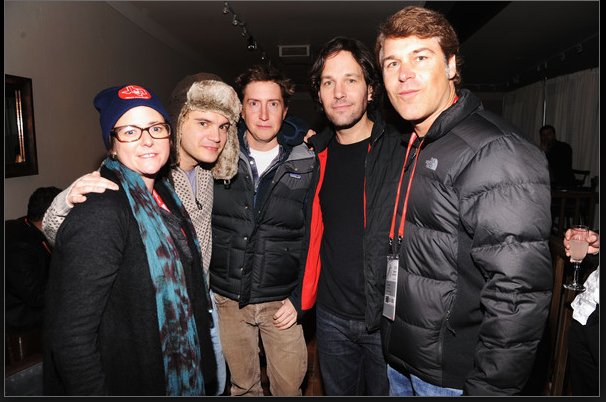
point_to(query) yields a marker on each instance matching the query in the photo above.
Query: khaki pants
(285, 350)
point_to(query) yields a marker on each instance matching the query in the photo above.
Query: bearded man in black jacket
(359, 157)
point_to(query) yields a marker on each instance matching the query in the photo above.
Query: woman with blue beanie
(128, 312)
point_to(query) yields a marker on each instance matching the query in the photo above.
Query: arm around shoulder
(76, 193)
(55, 214)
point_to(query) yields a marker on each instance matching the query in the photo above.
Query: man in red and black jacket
(345, 271)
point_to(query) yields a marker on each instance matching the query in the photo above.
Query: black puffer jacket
(475, 278)
(258, 232)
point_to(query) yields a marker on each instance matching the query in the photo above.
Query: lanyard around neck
(159, 200)
(162, 205)
(413, 137)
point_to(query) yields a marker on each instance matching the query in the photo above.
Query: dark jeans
(584, 355)
(351, 359)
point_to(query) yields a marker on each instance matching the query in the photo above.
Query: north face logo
(431, 164)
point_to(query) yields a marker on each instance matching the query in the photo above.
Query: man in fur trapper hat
(204, 113)
(204, 92)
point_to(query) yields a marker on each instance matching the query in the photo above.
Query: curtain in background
(524, 108)
(572, 107)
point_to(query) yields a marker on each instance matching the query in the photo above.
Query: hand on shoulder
(310, 133)
(89, 183)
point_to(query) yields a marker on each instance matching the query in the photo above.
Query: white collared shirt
(584, 303)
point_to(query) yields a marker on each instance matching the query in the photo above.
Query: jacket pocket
(227, 257)
(417, 335)
(280, 264)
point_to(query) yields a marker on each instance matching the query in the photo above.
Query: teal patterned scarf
(178, 334)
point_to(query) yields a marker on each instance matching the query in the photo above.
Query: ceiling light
(579, 48)
(252, 44)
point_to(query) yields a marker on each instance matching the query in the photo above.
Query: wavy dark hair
(363, 57)
(265, 72)
(424, 23)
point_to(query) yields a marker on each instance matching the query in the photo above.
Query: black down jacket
(475, 278)
(258, 231)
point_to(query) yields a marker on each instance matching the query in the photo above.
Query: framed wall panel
(20, 157)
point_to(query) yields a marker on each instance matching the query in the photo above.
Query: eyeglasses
(133, 133)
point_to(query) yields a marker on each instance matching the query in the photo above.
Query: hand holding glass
(578, 251)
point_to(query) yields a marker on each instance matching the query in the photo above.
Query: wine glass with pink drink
(578, 251)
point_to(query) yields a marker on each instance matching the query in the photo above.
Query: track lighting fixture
(251, 43)
(579, 48)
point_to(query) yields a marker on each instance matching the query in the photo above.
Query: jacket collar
(321, 140)
(467, 104)
(291, 133)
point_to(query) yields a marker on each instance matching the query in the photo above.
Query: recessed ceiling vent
(293, 50)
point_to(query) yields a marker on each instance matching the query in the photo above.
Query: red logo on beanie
(133, 92)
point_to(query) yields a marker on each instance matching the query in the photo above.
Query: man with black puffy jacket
(469, 279)
(259, 225)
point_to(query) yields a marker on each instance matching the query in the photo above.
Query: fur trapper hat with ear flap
(208, 92)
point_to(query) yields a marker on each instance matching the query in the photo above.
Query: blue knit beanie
(113, 102)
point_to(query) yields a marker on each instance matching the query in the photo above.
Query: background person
(559, 158)
(128, 261)
(27, 256)
(584, 332)
(472, 276)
